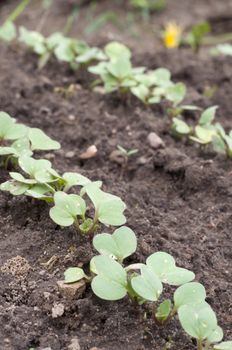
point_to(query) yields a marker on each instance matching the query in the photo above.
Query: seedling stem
(17, 11)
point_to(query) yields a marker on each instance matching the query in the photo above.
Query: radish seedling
(110, 280)
(70, 209)
(117, 73)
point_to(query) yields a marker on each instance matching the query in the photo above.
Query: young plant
(153, 86)
(71, 209)
(117, 74)
(110, 280)
(196, 36)
(63, 48)
(27, 140)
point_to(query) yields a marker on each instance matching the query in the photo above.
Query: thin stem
(77, 226)
(17, 11)
(43, 19)
(70, 20)
(199, 344)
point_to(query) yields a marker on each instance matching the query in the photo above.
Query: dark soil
(179, 198)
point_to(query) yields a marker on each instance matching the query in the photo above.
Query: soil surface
(179, 197)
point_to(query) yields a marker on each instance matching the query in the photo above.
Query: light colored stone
(74, 344)
(72, 290)
(57, 310)
(155, 141)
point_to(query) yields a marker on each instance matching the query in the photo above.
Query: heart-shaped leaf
(120, 244)
(40, 141)
(198, 320)
(9, 130)
(73, 274)
(215, 336)
(226, 345)
(180, 127)
(189, 294)
(115, 49)
(74, 179)
(163, 311)
(111, 280)
(18, 148)
(109, 208)
(208, 116)
(38, 169)
(66, 209)
(147, 285)
(176, 93)
(14, 187)
(165, 268)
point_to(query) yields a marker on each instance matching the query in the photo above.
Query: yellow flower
(172, 35)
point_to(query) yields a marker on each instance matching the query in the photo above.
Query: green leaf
(163, 310)
(38, 169)
(176, 93)
(208, 116)
(165, 268)
(109, 208)
(141, 92)
(180, 127)
(73, 274)
(14, 187)
(34, 40)
(111, 280)
(20, 178)
(121, 244)
(40, 192)
(198, 321)
(215, 336)
(8, 31)
(226, 345)
(18, 148)
(65, 50)
(147, 285)
(115, 49)
(66, 209)
(203, 135)
(120, 68)
(160, 77)
(74, 179)
(9, 130)
(86, 225)
(219, 144)
(91, 54)
(189, 294)
(40, 141)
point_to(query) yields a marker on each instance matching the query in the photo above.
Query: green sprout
(27, 140)
(206, 132)
(196, 36)
(117, 73)
(70, 209)
(121, 244)
(9, 129)
(111, 280)
(63, 48)
(152, 86)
